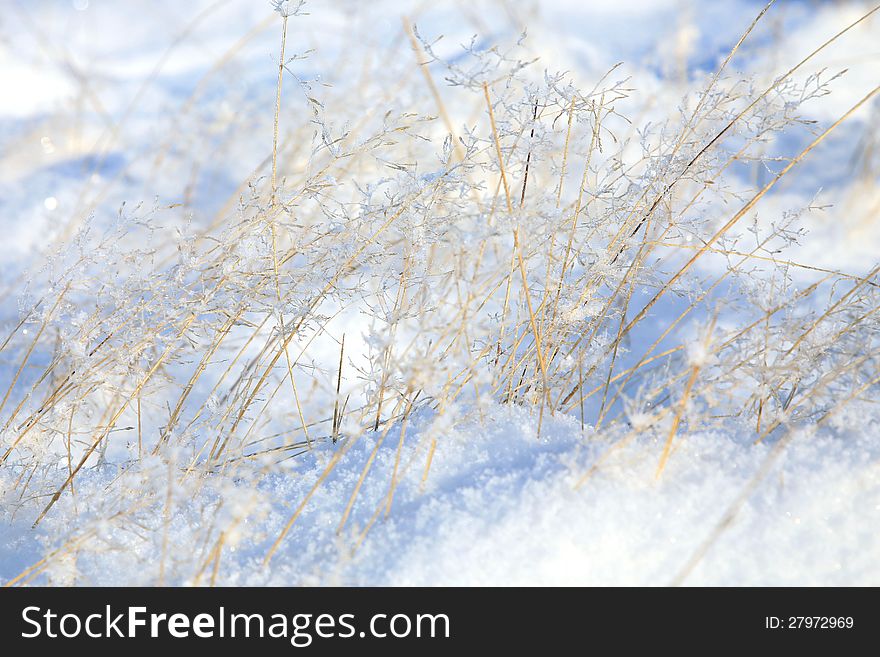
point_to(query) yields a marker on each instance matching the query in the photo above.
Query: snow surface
(501, 506)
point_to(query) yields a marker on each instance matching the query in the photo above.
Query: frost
(445, 313)
(288, 7)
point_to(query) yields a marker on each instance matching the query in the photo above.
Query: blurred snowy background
(106, 102)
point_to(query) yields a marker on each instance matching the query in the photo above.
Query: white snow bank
(500, 507)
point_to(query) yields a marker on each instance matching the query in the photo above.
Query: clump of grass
(528, 247)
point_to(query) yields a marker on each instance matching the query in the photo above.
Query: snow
(504, 508)
(125, 102)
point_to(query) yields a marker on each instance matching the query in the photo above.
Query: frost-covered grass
(383, 308)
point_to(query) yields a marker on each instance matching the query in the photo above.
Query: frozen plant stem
(278, 107)
(337, 415)
(274, 214)
(517, 248)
